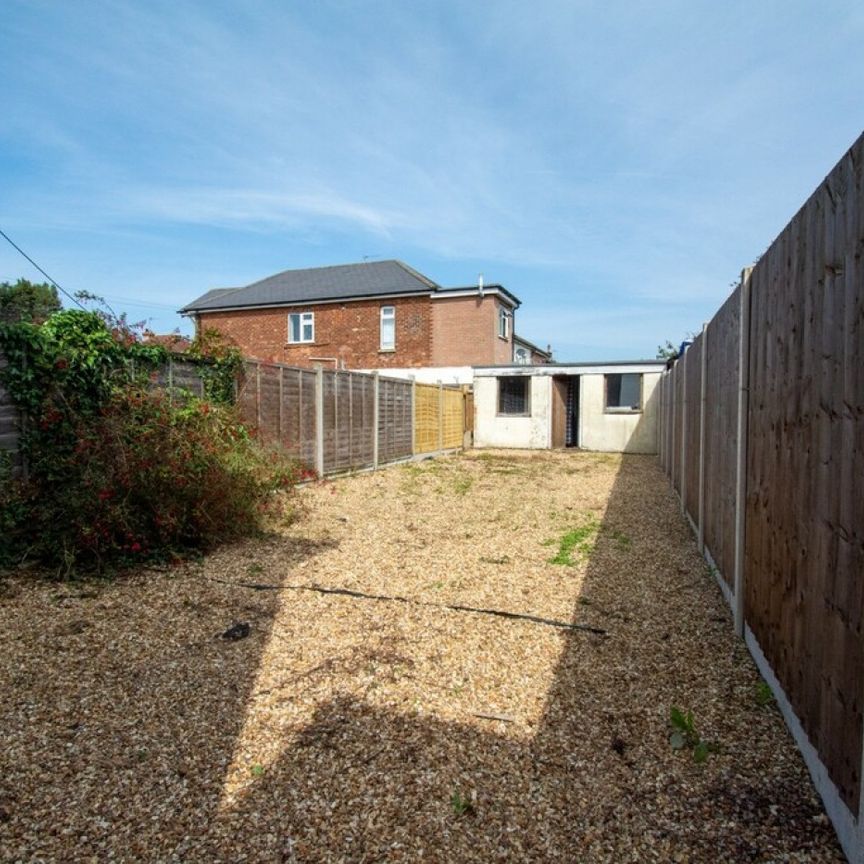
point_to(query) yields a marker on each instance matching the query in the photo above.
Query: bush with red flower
(117, 472)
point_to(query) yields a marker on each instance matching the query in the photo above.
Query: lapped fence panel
(804, 555)
(721, 436)
(783, 476)
(692, 428)
(396, 420)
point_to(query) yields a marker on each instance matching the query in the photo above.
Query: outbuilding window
(388, 328)
(624, 392)
(301, 327)
(514, 396)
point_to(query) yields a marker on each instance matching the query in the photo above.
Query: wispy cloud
(583, 151)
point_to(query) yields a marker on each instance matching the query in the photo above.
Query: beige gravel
(355, 730)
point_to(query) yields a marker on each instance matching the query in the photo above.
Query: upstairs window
(388, 328)
(301, 327)
(514, 396)
(503, 323)
(624, 392)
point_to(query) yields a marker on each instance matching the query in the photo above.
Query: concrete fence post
(376, 409)
(741, 466)
(319, 420)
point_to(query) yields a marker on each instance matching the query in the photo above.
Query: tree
(26, 301)
(667, 351)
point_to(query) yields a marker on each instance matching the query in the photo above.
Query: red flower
(105, 494)
(61, 363)
(135, 547)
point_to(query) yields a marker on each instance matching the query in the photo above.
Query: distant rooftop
(323, 284)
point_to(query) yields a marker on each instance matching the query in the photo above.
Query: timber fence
(331, 421)
(337, 421)
(762, 436)
(9, 426)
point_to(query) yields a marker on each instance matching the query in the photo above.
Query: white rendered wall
(494, 430)
(616, 432)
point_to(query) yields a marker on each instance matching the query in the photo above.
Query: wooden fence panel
(187, 376)
(247, 393)
(331, 420)
(692, 409)
(395, 420)
(453, 421)
(427, 418)
(804, 552)
(721, 435)
(267, 386)
(9, 426)
(677, 424)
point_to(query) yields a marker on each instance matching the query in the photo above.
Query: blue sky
(613, 164)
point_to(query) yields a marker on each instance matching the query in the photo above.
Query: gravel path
(362, 729)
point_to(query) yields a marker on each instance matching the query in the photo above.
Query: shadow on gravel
(81, 776)
(598, 782)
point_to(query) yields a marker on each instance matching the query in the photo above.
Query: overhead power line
(72, 297)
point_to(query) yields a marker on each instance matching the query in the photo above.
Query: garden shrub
(117, 472)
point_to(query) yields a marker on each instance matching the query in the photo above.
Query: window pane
(388, 327)
(624, 391)
(514, 395)
(308, 332)
(293, 328)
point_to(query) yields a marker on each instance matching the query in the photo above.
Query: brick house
(374, 315)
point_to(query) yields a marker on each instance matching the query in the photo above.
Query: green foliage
(27, 301)
(117, 473)
(684, 735)
(667, 351)
(578, 542)
(461, 806)
(222, 365)
(764, 694)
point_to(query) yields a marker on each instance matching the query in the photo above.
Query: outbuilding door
(572, 427)
(565, 411)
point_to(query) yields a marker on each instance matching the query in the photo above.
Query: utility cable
(72, 297)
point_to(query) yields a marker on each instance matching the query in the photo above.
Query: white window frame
(503, 323)
(304, 320)
(387, 313)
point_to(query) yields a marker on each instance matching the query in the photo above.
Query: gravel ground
(343, 728)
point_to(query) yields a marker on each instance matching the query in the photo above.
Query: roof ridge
(327, 267)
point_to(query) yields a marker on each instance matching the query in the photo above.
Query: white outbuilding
(610, 407)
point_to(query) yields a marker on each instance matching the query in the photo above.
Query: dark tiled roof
(370, 279)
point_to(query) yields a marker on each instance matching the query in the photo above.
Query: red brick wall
(349, 332)
(465, 332)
